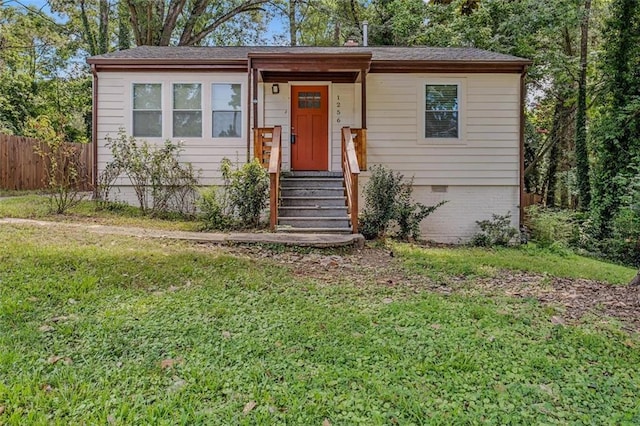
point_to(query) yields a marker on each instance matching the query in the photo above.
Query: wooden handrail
(262, 144)
(360, 144)
(351, 170)
(275, 164)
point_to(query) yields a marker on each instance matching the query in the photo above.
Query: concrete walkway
(289, 239)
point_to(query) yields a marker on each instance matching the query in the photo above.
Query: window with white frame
(226, 106)
(442, 114)
(147, 109)
(187, 110)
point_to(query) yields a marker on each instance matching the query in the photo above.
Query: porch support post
(254, 97)
(363, 81)
(249, 97)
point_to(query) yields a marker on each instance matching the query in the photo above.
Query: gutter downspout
(523, 96)
(94, 131)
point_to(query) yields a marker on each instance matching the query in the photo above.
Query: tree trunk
(582, 154)
(293, 25)
(103, 27)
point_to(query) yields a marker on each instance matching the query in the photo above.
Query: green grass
(441, 263)
(38, 207)
(243, 330)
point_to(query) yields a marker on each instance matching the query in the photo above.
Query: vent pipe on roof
(365, 33)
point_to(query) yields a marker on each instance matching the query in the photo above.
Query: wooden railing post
(350, 170)
(275, 164)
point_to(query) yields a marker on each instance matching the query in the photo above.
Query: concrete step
(337, 201)
(289, 229)
(311, 192)
(301, 222)
(313, 211)
(312, 182)
(295, 174)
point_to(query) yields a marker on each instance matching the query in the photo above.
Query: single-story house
(451, 118)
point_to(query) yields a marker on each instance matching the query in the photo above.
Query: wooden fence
(21, 168)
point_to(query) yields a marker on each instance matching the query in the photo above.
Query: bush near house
(241, 199)
(390, 207)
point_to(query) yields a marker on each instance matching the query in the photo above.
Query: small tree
(63, 168)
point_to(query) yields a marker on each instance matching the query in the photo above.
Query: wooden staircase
(313, 202)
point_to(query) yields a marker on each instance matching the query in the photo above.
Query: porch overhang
(288, 65)
(295, 63)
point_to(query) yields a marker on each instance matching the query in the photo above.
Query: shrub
(239, 201)
(389, 204)
(162, 183)
(551, 226)
(496, 231)
(249, 192)
(63, 167)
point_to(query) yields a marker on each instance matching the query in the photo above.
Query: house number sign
(338, 109)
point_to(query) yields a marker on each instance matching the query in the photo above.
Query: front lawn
(116, 330)
(35, 206)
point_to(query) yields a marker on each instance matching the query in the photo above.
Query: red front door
(309, 128)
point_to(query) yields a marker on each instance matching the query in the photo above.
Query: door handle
(293, 136)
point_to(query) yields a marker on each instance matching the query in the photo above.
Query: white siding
(205, 153)
(276, 112)
(480, 170)
(487, 152)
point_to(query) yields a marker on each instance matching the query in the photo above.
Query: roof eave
(162, 64)
(469, 66)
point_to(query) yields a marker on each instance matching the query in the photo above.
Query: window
(309, 100)
(226, 105)
(147, 110)
(441, 119)
(187, 110)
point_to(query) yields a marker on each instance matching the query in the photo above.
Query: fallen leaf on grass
(436, 326)
(556, 320)
(45, 328)
(2, 408)
(248, 407)
(387, 300)
(326, 422)
(46, 387)
(57, 358)
(170, 362)
(226, 334)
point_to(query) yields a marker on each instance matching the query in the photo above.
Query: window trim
(461, 83)
(241, 110)
(173, 109)
(161, 109)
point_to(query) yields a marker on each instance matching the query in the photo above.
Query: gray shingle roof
(174, 53)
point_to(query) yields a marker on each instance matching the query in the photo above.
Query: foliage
(161, 182)
(64, 170)
(618, 130)
(550, 227)
(107, 329)
(496, 231)
(624, 244)
(37, 76)
(240, 200)
(388, 203)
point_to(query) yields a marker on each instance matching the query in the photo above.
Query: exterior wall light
(275, 89)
